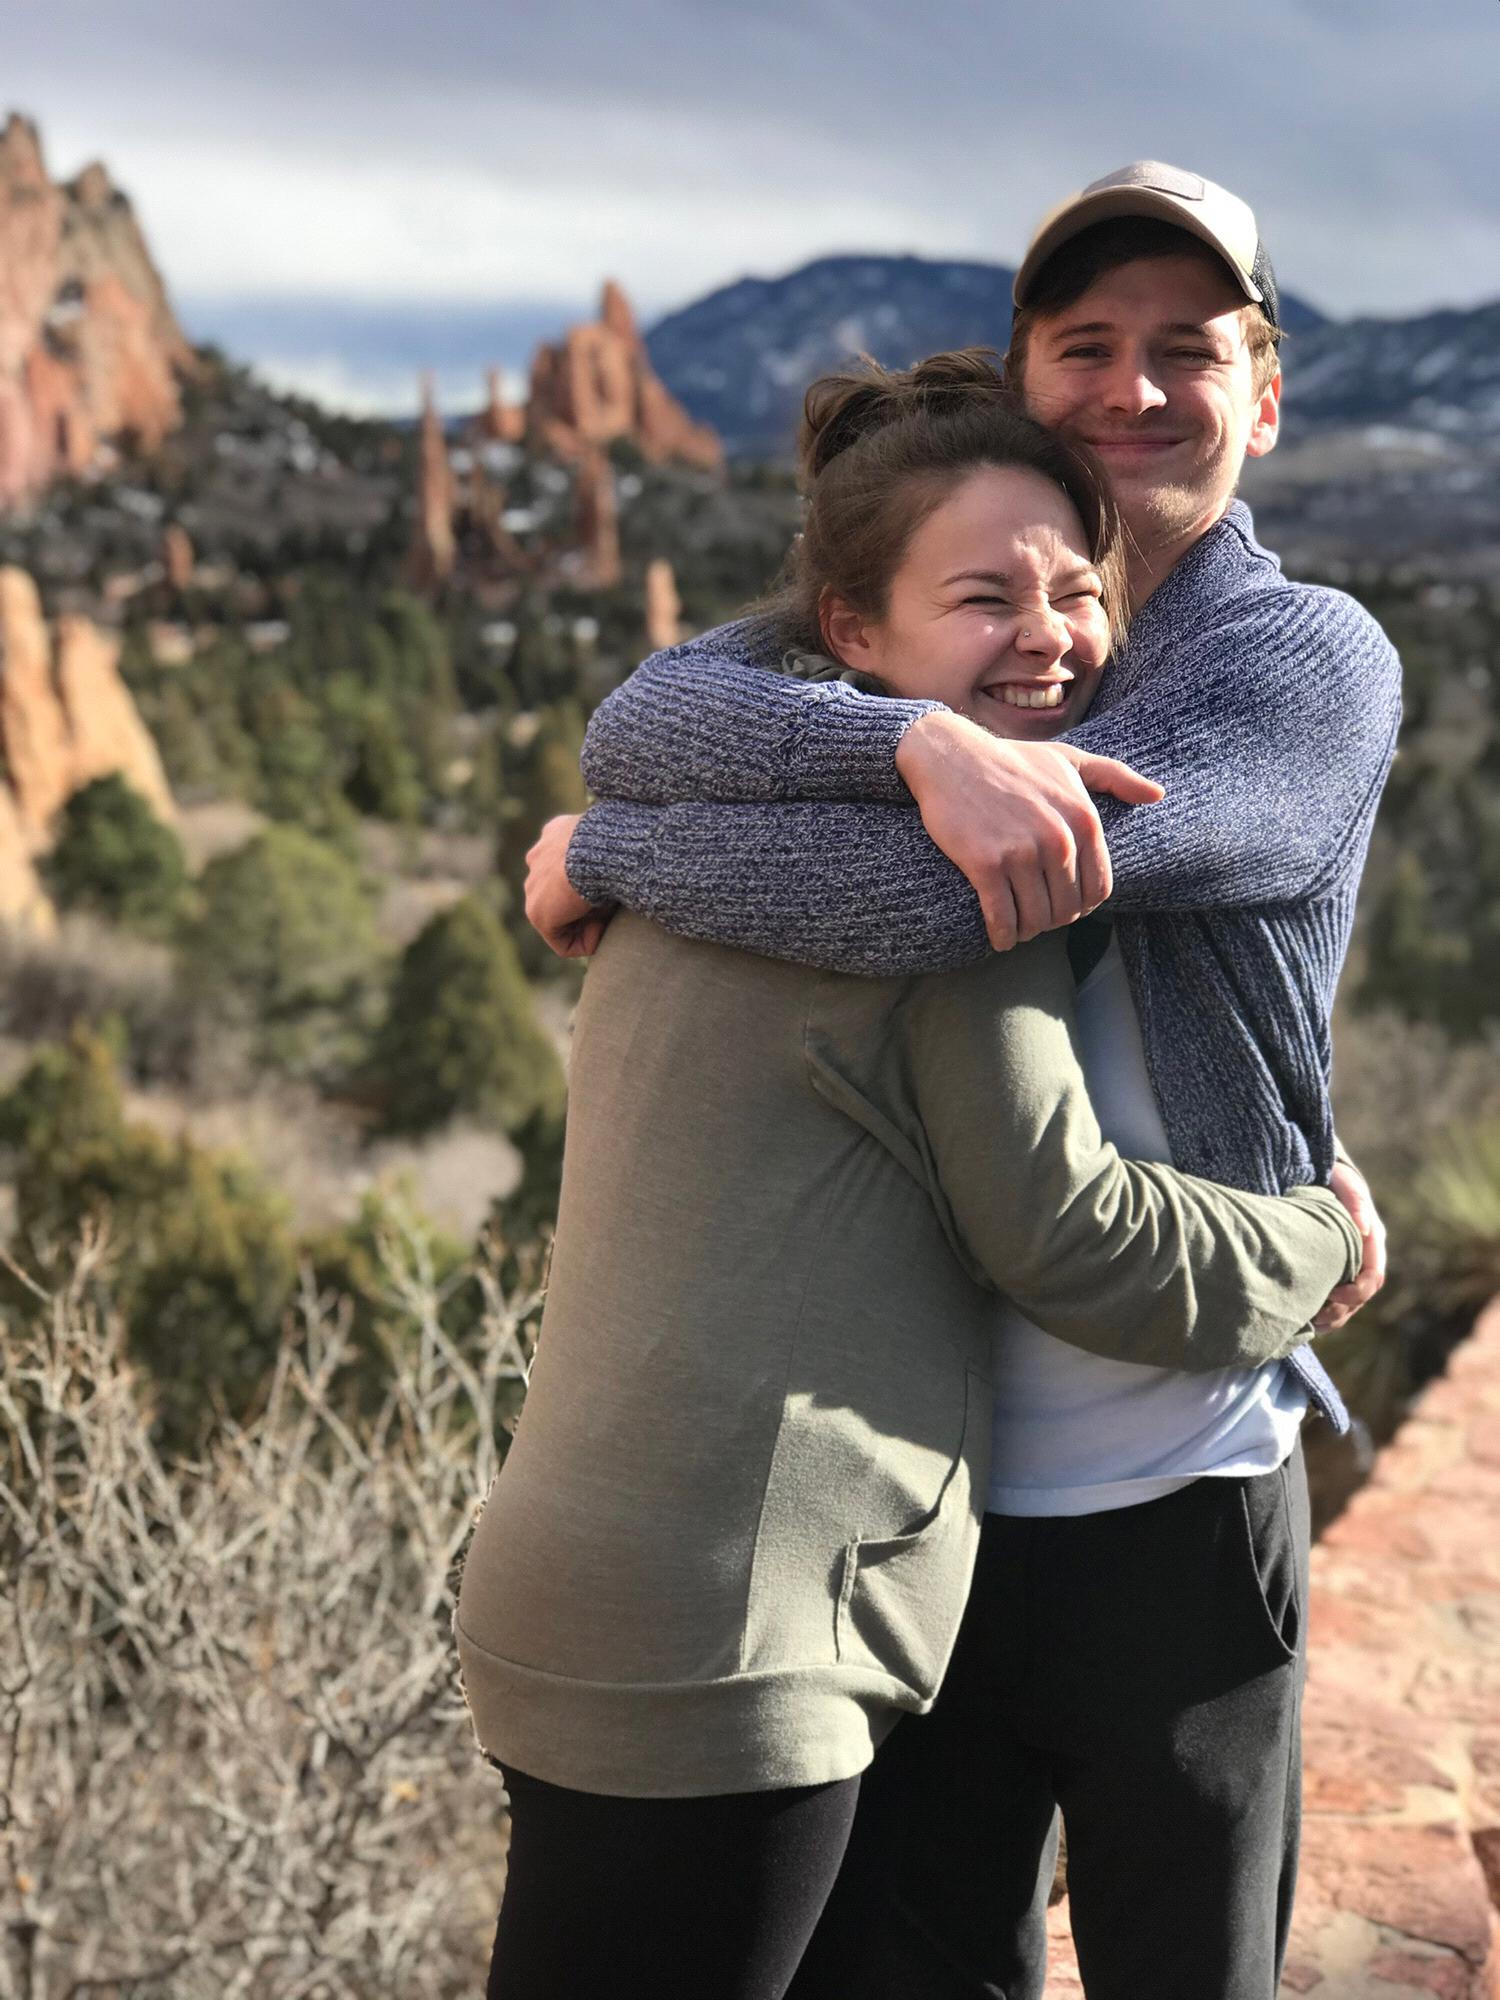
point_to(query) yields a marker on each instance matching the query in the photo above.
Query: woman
(732, 1541)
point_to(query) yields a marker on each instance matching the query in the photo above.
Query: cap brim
(1111, 205)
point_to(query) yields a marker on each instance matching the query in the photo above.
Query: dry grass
(234, 1760)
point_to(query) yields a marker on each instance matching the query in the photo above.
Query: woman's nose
(1042, 633)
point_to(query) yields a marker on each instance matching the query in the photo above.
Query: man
(1133, 1649)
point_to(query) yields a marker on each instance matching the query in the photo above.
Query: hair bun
(840, 409)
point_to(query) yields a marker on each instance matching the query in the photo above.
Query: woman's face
(995, 610)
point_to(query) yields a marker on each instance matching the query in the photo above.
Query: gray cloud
(517, 152)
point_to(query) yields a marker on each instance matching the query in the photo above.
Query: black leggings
(664, 1899)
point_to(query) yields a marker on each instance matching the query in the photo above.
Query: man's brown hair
(1093, 254)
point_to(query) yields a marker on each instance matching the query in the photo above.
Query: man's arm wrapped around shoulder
(1272, 732)
(712, 720)
(848, 888)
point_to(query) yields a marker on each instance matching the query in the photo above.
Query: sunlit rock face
(66, 718)
(89, 347)
(663, 606)
(597, 384)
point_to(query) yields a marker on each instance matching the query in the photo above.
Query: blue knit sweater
(767, 812)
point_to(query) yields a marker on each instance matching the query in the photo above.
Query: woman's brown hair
(880, 448)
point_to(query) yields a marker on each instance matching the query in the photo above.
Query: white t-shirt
(1077, 1434)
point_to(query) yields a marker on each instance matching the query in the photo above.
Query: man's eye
(996, 603)
(1195, 354)
(1082, 352)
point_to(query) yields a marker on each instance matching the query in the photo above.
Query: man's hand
(554, 908)
(1017, 819)
(1352, 1189)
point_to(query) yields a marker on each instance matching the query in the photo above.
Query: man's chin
(1157, 511)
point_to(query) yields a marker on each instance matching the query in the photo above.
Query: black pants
(1141, 1669)
(663, 1899)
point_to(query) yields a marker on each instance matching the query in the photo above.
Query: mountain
(741, 358)
(1439, 371)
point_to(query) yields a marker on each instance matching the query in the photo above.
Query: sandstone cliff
(66, 718)
(89, 347)
(597, 384)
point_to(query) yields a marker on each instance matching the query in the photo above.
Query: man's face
(1150, 368)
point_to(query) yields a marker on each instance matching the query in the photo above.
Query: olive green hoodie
(733, 1537)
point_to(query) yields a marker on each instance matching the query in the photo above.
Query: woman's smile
(996, 609)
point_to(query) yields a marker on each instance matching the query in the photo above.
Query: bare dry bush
(234, 1758)
(93, 972)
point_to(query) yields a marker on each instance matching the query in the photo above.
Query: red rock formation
(597, 384)
(663, 606)
(102, 238)
(66, 718)
(88, 344)
(177, 556)
(499, 421)
(617, 313)
(434, 549)
(596, 526)
(23, 901)
(106, 733)
(34, 729)
(127, 376)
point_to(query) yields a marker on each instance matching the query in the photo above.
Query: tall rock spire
(434, 549)
(596, 527)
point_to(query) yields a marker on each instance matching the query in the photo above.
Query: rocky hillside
(1439, 371)
(89, 348)
(741, 358)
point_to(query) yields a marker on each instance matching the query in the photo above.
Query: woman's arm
(980, 1092)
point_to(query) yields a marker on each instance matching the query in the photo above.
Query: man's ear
(1267, 425)
(843, 628)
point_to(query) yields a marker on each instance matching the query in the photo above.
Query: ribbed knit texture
(1267, 708)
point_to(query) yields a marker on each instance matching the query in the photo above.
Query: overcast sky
(506, 156)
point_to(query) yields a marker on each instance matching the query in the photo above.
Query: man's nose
(1131, 387)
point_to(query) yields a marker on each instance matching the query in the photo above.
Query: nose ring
(1026, 635)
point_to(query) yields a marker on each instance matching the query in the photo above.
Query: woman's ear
(843, 628)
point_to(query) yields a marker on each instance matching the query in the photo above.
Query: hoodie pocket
(901, 1597)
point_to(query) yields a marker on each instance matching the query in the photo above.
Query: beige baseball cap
(1167, 194)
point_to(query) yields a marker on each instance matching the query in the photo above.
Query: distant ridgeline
(740, 358)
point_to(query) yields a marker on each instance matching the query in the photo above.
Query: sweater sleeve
(846, 888)
(707, 720)
(1272, 732)
(1123, 1258)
